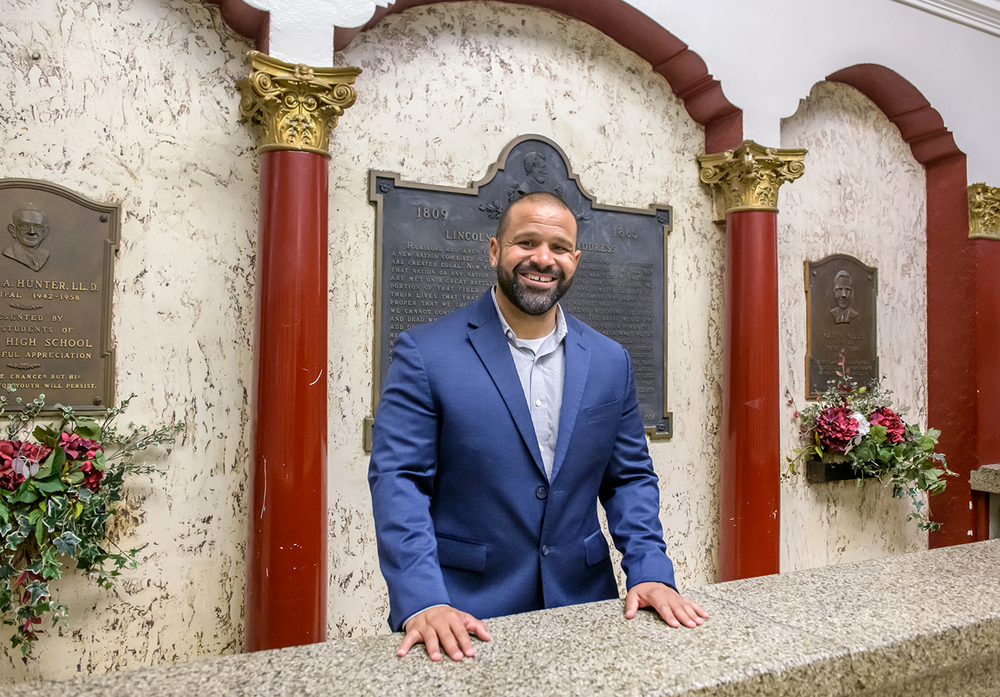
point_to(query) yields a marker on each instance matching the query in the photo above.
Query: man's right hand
(443, 627)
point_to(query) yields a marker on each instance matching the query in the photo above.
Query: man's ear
(494, 252)
(46, 232)
(12, 230)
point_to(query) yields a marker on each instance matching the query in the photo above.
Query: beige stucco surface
(863, 194)
(133, 102)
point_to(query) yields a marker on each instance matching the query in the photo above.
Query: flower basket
(60, 483)
(854, 432)
(833, 468)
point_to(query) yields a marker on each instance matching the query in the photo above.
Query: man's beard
(529, 300)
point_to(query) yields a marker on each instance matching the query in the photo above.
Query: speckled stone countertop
(925, 623)
(986, 478)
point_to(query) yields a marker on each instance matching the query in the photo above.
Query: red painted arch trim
(953, 263)
(247, 21)
(920, 124)
(683, 69)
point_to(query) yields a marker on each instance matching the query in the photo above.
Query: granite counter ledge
(925, 623)
(986, 478)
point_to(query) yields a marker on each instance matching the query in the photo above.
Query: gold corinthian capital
(748, 177)
(984, 211)
(295, 106)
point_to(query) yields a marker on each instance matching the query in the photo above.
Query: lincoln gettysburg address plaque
(432, 257)
(841, 321)
(56, 272)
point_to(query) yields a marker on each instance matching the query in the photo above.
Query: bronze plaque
(841, 320)
(432, 257)
(56, 276)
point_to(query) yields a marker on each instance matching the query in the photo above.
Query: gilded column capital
(748, 177)
(984, 211)
(295, 106)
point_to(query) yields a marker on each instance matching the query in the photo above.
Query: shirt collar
(558, 334)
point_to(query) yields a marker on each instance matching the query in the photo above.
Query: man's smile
(539, 280)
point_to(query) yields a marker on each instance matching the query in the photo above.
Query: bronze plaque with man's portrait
(56, 274)
(841, 320)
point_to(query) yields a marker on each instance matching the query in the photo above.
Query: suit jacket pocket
(461, 554)
(597, 548)
(604, 411)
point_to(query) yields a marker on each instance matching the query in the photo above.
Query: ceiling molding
(983, 15)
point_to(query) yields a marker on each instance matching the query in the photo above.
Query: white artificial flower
(863, 426)
(24, 467)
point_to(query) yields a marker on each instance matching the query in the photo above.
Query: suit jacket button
(541, 492)
(545, 550)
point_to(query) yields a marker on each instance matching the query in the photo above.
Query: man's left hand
(673, 607)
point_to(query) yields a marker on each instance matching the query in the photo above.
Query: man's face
(29, 228)
(842, 291)
(536, 257)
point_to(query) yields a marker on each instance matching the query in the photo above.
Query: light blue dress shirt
(541, 366)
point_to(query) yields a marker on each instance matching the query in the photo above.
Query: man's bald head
(541, 198)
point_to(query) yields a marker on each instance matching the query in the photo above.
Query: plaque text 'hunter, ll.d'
(432, 257)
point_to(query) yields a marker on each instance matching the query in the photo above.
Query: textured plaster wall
(444, 89)
(133, 102)
(862, 194)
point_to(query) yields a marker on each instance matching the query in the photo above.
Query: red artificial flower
(83, 450)
(91, 475)
(884, 416)
(836, 428)
(10, 450)
(77, 447)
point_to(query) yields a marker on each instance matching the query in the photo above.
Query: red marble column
(747, 181)
(286, 547)
(296, 108)
(984, 229)
(749, 497)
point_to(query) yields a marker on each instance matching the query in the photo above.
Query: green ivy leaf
(66, 543)
(37, 590)
(75, 477)
(50, 568)
(58, 506)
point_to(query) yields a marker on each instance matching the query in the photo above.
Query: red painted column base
(286, 547)
(750, 480)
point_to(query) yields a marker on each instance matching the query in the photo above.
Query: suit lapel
(577, 368)
(486, 335)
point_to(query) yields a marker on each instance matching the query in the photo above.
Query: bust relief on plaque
(29, 230)
(843, 313)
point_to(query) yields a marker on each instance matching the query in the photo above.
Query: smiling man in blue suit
(499, 428)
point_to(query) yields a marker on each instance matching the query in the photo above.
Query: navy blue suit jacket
(463, 512)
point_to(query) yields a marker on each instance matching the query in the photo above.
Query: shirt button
(538, 402)
(545, 550)
(541, 492)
